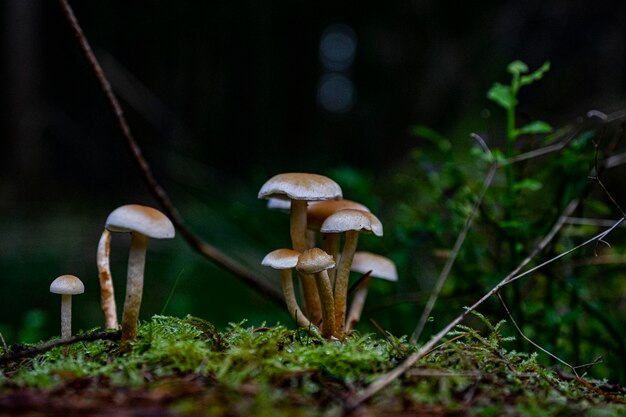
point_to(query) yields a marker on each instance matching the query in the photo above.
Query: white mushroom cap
(350, 219)
(314, 260)
(145, 220)
(318, 211)
(380, 266)
(281, 259)
(67, 285)
(300, 186)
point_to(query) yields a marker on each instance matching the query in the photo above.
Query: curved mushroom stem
(107, 294)
(358, 301)
(328, 306)
(134, 286)
(286, 280)
(66, 316)
(300, 243)
(342, 279)
(330, 245)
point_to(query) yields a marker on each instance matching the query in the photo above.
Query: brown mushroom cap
(350, 219)
(300, 186)
(281, 259)
(380, 266)
(318, 211)
(67, 285)
(314, 260)
(145, 220)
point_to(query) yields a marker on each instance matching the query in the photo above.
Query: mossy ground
(184, 366)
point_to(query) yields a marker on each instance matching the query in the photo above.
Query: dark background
(222, 95)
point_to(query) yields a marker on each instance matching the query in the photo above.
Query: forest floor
(185, 367)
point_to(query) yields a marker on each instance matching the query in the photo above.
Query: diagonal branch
(389, 377)
(212, 253)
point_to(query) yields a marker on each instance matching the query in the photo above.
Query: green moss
(278, 371)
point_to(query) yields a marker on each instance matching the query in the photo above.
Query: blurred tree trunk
(22, 148)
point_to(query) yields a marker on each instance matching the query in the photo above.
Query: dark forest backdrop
(222, 95)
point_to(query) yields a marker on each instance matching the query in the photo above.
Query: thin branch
(44, 347)
(4, 344)
(445, 272)
(573, 368)
(541, 151)
(215, 255)
(387, 378)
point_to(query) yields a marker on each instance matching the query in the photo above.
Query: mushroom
(143, 223)
(107, 293)
(285, 260)
(66, 285)
(378, 267)
(319, 211)
(300, 188)
(351, 222)
(315, 262)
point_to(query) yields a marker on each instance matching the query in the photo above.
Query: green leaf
(517, 67)
(433, 136)
(501, 94)
(527, 184)
(536, 75)
(535, 127)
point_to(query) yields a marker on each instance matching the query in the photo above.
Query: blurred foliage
(564, 306)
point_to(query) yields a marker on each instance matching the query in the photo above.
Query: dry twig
(44, 347)
(215, 255)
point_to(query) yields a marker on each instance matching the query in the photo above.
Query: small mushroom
(351, 222)
(143, 223)
(66, 285)
(285, 260)
(299, 188)
(315, 262)
(378, 267)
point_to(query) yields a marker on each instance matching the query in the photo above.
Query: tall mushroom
(143, 223)
(107, 293)
(378, 267)
(300, 188)
(351, 222)
(285, 260)
(315, 262)
(66, 285)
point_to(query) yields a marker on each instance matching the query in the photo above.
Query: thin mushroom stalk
(134, 285)
(328, 308)
(286, 280)
(342, 278)
(358, 302)
(107, 293)
(66, 316)
(299, 240)
(315, 262)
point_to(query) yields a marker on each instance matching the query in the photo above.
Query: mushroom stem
(358, 301)
(328, 307)
(342, 278)
(66, 316)
(330, 245)
(134, 285)
(286, 279)
(107, 294)
(300, 243)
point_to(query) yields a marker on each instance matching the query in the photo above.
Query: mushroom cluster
(142, 223)
(320, 217)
